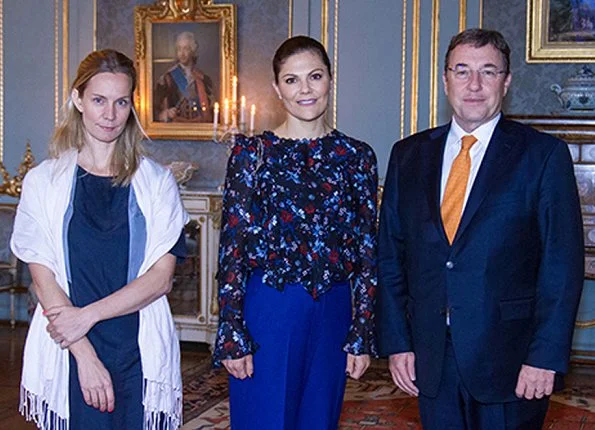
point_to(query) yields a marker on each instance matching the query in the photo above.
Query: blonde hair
(70, 131)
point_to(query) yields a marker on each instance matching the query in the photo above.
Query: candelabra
(234, 117)
(12, 187)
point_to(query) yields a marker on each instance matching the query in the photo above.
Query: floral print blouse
(302, 211)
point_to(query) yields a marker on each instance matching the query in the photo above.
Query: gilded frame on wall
(185, 55)
(560, 31)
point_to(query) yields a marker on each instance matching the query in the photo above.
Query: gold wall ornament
(379, 196)
(585, 324)
(214, 305)
(12, 187)
(161, 22)
(557, 35)
(335, 60)
(216, 210)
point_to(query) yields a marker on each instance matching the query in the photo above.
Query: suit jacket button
(449, 265)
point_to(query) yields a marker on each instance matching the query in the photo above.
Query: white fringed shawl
(39, 237)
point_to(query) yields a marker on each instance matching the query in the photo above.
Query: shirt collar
(483, 133)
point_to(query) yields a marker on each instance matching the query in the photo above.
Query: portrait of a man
(184, 92)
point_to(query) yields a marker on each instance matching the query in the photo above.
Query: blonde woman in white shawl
(100, 226)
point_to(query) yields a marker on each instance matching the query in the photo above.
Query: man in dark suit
(480, 255)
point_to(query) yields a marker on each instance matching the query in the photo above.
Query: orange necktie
(456, 185)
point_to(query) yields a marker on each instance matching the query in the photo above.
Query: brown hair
(70, 132)
(295, 45)
(478, 37)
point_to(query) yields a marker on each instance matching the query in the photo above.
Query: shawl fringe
(163, 406)
(34, 408)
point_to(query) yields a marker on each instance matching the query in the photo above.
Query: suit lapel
(431, 156)
(496, 161)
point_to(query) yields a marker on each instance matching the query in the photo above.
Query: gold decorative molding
(415, 66)
(94, 25)
(216, 208)
(335, 60)
(193, 10)
(217, 221)
(403, 66)
(324, 23)
(12, 186)
(462, 15)
(216, 203)
(585, 324)
(174, 12)
(379, 196)
(434, 61)
(214, 305)
(290, 21)
(65, 42)
(61, 18)
(198, 263)
(1, 81)
(543, 47)
(56, 61)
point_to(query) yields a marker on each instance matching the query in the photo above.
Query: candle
(252, 115)
(243, 111)
(215, 118)
(234, 90)
(226, 112)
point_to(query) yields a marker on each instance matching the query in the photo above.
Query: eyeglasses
(463, 73)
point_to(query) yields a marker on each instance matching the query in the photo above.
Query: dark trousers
(455, 409)
(299, 369)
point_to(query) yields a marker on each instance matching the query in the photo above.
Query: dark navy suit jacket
(513, 276)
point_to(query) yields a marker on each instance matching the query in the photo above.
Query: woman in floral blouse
(297, 263)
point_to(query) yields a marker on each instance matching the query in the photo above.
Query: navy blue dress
(98, 247)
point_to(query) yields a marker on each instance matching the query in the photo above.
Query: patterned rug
(375, 403)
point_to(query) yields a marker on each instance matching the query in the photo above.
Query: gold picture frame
(177, 89)
(560, 31)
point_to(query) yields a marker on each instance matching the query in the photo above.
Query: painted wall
(28, 90)
(368, 74)
(28, 37)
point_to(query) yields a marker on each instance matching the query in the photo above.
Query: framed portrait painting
(560, 31)
(186, 54)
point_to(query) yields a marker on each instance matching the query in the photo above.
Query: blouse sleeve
(233, 338)
(361, 337)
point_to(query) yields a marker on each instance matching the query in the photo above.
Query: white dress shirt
(483, 134)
